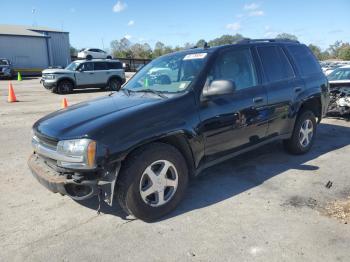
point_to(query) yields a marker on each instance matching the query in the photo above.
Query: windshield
(340, 74)
(72, 66)
(3, 62)
(169, 74)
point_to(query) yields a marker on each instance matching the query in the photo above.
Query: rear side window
(115, 65)
(100, 66)
(305, 60)
(276, 64)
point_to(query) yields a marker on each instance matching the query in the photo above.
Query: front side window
(87, 67)
(276, 64)
(72, 66)
(171, 73)
(237, 66)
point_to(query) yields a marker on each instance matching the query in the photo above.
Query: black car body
(207, 122)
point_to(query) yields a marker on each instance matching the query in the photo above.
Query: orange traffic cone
(11, 97)
(64, 103)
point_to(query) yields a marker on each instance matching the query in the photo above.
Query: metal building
(32, 49)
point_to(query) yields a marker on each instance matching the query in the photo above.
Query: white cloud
(257, 13)
(251, 6)
(119, 7)
(127, 36)
(131, 23)
(234, 26)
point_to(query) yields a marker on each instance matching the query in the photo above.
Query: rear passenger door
(232, 122)
(281, 84)
(101, 73)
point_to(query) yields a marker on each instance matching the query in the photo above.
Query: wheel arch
(313, 104)
(177, 140)
(66, 79)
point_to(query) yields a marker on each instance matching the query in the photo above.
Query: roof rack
(269, 40)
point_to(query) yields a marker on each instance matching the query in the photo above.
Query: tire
(109, 57)
(134, 181)
(302, 141)
(64, 87)
(88, 57)
(114, 84)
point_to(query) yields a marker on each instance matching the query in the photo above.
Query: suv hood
(87, 118)
(57, 71)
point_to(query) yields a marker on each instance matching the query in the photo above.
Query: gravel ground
(265, 205)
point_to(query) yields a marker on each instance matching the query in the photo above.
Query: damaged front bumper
(78, 186)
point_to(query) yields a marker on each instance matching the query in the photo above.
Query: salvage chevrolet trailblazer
(180, 114)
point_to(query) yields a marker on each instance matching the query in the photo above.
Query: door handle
(298, 89)
(258, 99)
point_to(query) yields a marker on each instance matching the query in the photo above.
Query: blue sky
(96, 23)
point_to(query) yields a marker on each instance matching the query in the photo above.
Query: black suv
(179, 114)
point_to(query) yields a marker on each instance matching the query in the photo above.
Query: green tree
(158, 49)
(287, 36)
(225, 40)
(121, 48)
(316, 50)
(73, 51)
(200, 43)
(334, 49)
(344, 52)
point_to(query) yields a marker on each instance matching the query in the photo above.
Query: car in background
(96, 73)
(90, 53)
(339, 82)
(6, 69)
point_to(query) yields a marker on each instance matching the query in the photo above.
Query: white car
(340, 76)
(90, 53)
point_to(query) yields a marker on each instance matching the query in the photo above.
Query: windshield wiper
(158, 93)
(126, 91)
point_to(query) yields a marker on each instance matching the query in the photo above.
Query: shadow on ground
(247, 171)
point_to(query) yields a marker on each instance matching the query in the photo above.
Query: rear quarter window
(115, 65)
(304, 59)
(275, 63)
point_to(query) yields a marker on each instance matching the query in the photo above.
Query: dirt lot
(263, 206)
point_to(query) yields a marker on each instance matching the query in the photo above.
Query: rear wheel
(109, 57)
(64, 87)
(303, 134)
(114, 84)
(152, 182)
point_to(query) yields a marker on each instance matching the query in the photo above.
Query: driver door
(232, 122)
(85, 74)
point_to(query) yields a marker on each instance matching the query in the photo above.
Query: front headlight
(82, 153)
(50, 76)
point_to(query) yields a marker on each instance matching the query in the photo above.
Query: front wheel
(64, 87)
(303, 134)
(152, 181)
(114, 84)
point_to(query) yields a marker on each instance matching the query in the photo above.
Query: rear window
(276, 64)
(304, 59)
(100, 66)
(115, 65)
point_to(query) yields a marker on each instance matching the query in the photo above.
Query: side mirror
(80, 70)
(219, 87)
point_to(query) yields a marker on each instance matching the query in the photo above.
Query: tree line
(124, 48)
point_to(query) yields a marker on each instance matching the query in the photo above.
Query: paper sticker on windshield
(183, 86)
(195, 56)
